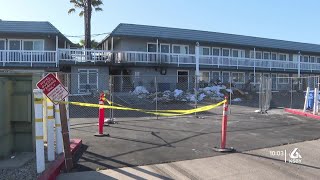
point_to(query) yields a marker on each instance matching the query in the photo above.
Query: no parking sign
(53, 88)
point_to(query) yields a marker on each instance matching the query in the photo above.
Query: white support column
(59, 143)
(68, 114)
(45, 130)
(107, 45)
(299, 64)
(306, 99)
(51, 134)
(315, 101)
(38, 115)
(197, 54)
(112, 44)
(65, 44)
(57, 46)
(254, 66)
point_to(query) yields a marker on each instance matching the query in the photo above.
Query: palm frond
(96, 3)
(72, 10)
(81, 13)
(77, 3)
(98, 9)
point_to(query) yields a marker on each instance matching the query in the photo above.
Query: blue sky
(294, 20)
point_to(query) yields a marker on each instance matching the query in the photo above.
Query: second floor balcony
(23, 58)
(12, 58)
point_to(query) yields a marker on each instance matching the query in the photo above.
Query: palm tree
(86, 7)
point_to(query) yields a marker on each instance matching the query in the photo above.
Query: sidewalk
(268, 163)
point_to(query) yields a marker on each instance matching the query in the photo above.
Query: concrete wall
(103, 77)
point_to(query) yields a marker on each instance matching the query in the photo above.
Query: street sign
(52, 88)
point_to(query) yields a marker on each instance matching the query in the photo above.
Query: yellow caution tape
(155, 112)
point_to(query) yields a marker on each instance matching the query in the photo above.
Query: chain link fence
(182, 92)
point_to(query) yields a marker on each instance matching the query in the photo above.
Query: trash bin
(310, 100)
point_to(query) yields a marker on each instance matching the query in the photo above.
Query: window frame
(257, 80)
(274, 53)
(218, 48)
(5, 43)
(303, 58)
(287, 56)
(207, 71)
(222, 77)
(266, 52)
(180, 48)
(244, 77)
(225, 49)
(207, 47)
(315, 60)
(87, 74)
(33, 40)
(255, 54)
(9, 40)
(219, 75)
(165, 44)
(153, 43)
(239, 53)
(280, 76)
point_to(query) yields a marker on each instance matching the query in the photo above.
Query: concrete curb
(301, 113)
(52, 172)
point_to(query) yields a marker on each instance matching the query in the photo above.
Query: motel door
(274, 81)
(164, 50)
(183, 80)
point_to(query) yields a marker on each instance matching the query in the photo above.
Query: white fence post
(50, 130)
(315, 101)
(306, 99)
(59, 143)
(68, 115)
(38, 116)
(45, 132)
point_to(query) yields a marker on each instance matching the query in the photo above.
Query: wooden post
(65, 137)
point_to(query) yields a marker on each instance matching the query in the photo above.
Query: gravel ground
(26, 172)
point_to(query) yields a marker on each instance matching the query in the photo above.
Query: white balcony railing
(179, 59)
(27, 58)
(82, 55)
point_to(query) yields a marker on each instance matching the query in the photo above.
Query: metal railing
(84, 55)
(27, 58)
(173, 58)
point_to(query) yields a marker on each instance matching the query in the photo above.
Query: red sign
(52, 88)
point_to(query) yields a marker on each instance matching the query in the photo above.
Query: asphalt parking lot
(142, 141)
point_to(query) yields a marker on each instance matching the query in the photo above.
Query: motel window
(274, 56)
(216, 76)
(180, 49)
(238, 77)
(266, 55)
(152, 47)
(238, 53)
(164, 48)
(305, 59)
(256, 76)
(14, 45)
(204, 76)
(258, 54)
(36, 45)
(87, 80)
(283, 57)
(226, 52)
(2, 44)
(283, 78)
(204, 51)
(216, 51)
(312, 59)
(318, 59)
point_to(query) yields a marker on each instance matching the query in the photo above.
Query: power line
(80, 36)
